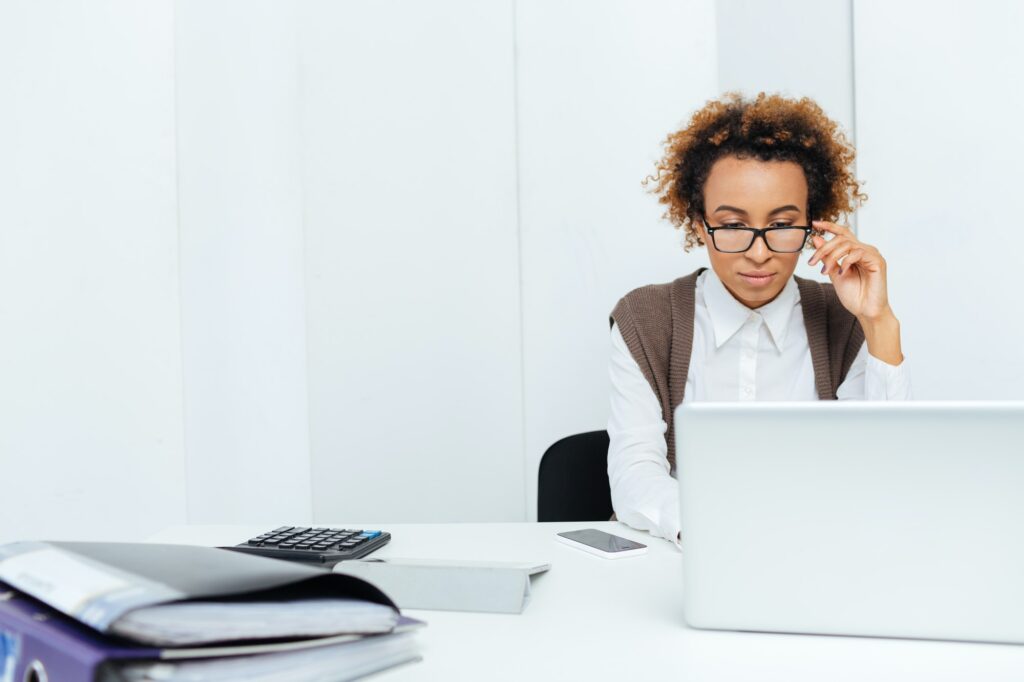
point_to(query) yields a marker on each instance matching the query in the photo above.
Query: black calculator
(317, 545)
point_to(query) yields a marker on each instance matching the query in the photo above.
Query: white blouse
(738, 354)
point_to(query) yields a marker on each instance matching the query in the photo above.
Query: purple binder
(31, 631)
(71, 639)
(70, 652)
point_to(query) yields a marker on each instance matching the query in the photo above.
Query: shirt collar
(728, 315)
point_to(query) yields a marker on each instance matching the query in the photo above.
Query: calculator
(316, 545)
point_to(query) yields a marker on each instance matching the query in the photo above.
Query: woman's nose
(759, 251)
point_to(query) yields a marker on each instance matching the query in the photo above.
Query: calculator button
(371, 533)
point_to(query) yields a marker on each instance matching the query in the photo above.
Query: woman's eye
(780, 225)
(733, 225)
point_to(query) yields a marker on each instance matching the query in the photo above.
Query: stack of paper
(203, 622)
(335, 662)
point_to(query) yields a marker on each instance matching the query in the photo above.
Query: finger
(831, 260)
(823, 247)
(832, 227)
(829, 247)
(820, 244)
(870, 260)
(855, 256)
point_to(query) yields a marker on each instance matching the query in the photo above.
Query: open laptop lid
(891, 519)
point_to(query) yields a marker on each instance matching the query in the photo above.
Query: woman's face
(752, 193)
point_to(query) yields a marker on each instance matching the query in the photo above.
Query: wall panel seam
(519, 259)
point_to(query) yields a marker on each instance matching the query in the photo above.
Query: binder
(32, 634)
(58, 601)
(60, 649)
(98, 582)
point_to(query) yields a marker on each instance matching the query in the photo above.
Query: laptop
(854, 518)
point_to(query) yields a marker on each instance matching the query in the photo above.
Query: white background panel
(243, 301)
(795, 47)
(939, 107)
(412, 261)
(90, 368)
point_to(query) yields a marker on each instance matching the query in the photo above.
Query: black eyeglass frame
(758, 232)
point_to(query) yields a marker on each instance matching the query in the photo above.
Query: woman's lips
(757, 279)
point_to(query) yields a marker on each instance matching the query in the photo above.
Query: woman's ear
(702, 233)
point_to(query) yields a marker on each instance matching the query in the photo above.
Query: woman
(759, 183)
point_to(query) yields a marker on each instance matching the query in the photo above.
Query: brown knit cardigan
(656, 322)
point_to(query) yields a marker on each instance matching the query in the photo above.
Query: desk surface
(592, 618)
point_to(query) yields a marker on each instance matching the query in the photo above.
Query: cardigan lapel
(812, 301)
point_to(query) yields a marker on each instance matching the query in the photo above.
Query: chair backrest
(573, 479)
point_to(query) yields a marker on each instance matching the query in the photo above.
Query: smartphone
(602, 544)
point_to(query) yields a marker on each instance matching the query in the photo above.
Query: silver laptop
(854, 518)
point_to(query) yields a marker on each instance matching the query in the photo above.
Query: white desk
(591, 618)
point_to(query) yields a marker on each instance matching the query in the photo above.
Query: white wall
(939, 111)
(242, 262)
(412, 261)
(90, 368)
(795, 47)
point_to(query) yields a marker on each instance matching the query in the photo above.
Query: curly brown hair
(769, 128)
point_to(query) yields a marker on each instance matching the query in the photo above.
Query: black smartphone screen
(606, 542)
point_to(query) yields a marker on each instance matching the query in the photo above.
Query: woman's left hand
(860, 280)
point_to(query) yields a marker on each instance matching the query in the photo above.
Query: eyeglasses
(784, 239)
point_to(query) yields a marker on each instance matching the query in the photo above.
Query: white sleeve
(872, 379)
(644, 493)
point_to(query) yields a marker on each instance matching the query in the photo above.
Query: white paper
(201, 622)
(59, 578)
(337, 662)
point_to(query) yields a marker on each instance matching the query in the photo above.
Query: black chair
(573, 480)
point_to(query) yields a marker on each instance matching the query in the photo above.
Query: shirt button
(747, 390)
